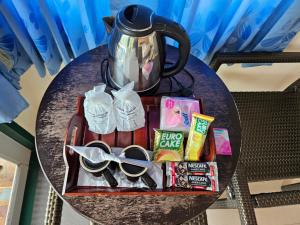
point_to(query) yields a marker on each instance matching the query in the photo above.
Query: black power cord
(104, 72)
(181, 90)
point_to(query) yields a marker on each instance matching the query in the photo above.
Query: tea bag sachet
(129, 110)
(98, 110)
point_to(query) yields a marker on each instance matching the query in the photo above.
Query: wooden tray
(77, 133)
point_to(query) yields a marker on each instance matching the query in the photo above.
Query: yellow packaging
(198, 131)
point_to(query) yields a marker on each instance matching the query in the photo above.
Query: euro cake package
(168, 146)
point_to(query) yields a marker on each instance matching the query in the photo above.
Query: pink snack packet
(176, 113)
(222, 141)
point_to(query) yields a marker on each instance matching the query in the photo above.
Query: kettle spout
(109, 23)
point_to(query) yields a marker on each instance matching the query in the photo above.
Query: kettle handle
(175, 31)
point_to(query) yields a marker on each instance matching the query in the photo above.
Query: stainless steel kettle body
(136, 47)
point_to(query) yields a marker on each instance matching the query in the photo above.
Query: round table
(59, 104)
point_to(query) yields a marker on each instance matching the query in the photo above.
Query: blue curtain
(46, 33)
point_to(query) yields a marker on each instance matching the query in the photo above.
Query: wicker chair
(270, 150)
(270, 147)
(54, 208)
(270, 140)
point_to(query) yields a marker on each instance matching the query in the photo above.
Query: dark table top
(59, 104)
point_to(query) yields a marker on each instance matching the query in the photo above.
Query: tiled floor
(264, 78)
(287, 215)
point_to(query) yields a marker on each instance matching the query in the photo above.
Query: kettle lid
(135, 20)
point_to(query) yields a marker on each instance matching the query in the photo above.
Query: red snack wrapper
(195, 168)
(193, 175)
(202, 182)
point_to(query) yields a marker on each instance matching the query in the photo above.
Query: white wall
(262, 78)
(33, 88)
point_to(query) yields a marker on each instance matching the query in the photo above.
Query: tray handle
(73, 136)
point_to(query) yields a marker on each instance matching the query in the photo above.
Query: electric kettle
(136, 47)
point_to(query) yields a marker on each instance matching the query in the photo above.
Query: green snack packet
(168, 146)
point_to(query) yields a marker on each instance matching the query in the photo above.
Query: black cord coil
(181, 90)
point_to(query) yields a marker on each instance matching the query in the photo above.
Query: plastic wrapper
(86, 178)
(168, 146)
(176, 113)
(191, 168)
(222, 141)
(191, 181)
(197, 136)
(98, 110)
(129, 110)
